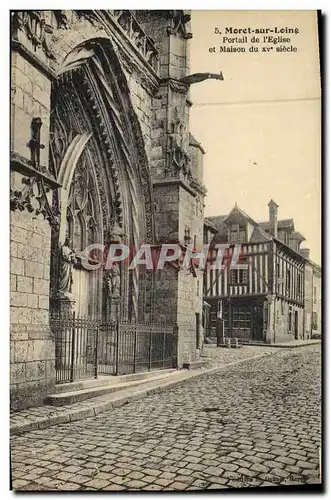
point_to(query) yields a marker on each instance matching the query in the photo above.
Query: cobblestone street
(255, 424)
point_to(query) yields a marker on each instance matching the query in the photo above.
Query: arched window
(81, 214)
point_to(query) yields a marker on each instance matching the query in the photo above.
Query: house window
(315, 294)
(289, 321)
(288, 281)
(241, 318)
(286, 238)
(278, 277)
(238, 277)
(299, 284)
(237, 234)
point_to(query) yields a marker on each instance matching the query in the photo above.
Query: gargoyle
(201, 77)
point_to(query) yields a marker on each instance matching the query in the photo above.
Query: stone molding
(33, 59)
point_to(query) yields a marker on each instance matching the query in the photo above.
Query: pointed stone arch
(92, 113)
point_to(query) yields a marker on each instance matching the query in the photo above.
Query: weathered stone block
(35, 270)
(21, 219)
(17, 266)
(18, 332)
(20, 350)
(30, 393)
(29, 253)
(39, 332)
(42, 97)
(17, 97)
(13, 282)
(43, 302)
(17, 373)
(21, 121)
(24, 284)
(27, 84)
(32, 300)
(28, 103)
(35, 370)
(17, 77)
(13, 249)
(50, 369)
(21, 315)
(18, 299)
(46, 273)
(36, 240)
(37, 107)
(41, 226)
(40, 286)
(39, 317)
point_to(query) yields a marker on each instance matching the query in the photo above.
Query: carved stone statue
(67, 260)
(114, 280)
(114, 233)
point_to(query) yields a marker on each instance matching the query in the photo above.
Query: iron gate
(86, 347)
(76, 347)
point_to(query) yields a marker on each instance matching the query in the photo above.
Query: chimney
(273, 211)
(305, 252)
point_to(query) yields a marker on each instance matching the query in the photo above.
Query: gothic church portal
(100, 153)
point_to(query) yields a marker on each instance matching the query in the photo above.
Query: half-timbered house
(260, 297)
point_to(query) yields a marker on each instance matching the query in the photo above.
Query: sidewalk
(217, 359)
(298, 343)
(291, 343)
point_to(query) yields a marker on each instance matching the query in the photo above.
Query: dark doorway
(296, 325)
(257, 323)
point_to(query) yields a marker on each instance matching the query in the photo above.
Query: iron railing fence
(86, 347)
(76, 347)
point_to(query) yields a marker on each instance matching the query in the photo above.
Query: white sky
(237, 127)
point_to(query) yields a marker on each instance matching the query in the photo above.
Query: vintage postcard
(165, 243)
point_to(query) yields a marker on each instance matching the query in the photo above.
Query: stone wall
(32, 351)
(166, 210)
(282, 332)
(142, 103)
(30, 97)
(191, 216)
(166, 295)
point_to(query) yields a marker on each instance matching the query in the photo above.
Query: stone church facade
(100, 153)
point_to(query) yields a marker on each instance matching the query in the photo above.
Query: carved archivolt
(91, 97)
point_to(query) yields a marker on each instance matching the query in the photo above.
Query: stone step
(113, 385)
(106, 380)
(194, 365)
